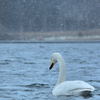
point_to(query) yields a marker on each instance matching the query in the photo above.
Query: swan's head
(54, 58)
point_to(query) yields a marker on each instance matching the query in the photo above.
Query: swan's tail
(86, 94)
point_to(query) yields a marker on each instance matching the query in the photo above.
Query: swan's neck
(62, 70)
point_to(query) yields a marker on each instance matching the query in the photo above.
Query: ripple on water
(4, 62)
(29, 63)
(36, 85)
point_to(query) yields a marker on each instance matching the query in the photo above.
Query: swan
(68, 88)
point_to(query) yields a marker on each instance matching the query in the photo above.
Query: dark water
(24, 73)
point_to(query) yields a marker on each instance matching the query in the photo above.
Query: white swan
(64, 87)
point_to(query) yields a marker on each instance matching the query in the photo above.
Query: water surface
(25, 75)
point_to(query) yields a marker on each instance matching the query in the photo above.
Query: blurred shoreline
(57, 36)
(57, 41)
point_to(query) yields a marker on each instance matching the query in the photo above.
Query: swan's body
(64, 87)
(72, 88)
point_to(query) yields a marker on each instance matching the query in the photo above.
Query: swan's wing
(72, 88)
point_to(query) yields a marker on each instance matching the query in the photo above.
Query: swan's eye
(55, 60)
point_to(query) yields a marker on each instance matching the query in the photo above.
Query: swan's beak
(51, 66)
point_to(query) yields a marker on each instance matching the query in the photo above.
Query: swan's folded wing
(72, 88)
